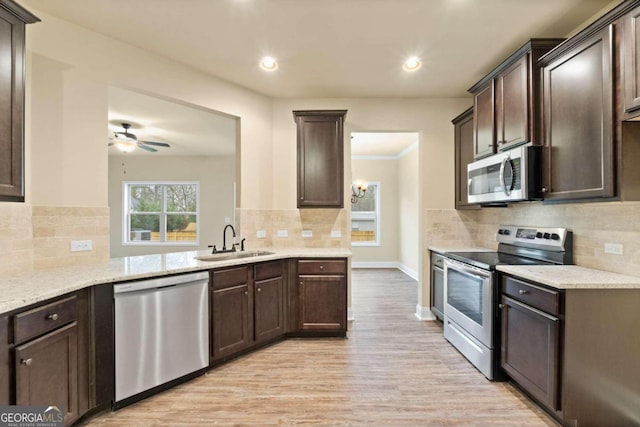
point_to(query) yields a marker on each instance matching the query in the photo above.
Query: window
(160, 213)
(365, 218)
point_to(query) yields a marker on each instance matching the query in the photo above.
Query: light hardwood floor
(393, 370)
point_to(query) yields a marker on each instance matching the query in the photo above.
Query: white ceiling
(332, 48)
(191, 131)
(382, 144)
(325, 48)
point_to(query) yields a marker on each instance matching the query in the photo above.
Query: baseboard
(424, 313)
(387, 264)
(409, 272)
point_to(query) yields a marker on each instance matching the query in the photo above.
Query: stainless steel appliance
(471, 315)
(161, 332)
(509, 176)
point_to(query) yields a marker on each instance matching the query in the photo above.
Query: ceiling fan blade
(157, 144)
(144, 147)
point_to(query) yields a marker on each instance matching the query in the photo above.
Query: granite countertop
(571, 276)
(25, 289)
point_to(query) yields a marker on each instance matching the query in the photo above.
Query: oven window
(464, 293)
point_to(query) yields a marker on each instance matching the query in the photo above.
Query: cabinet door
(231, 322)
(320, 159)
(529, 350)
(463, 128)
(483, 122)
(269, 309)
(512, 105)
(630, 58)
(47, 371)
(323, 303)
(5, 362)
(578, 123)
(11, 107)
(437, 292)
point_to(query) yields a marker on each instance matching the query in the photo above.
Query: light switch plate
(336, 233)
(283, 233)
(81, 245)
(261, 234)
(307, 233)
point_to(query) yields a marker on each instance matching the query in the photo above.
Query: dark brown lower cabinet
(5, 362)
(322, 296)
(269, 309)
(230, 306)
(47, 371)
(530, 350)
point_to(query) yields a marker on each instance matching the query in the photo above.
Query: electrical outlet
(227, 220)
(613, 248)
(336, 234)
(307, 233)
(261, 234)
(81, 245)
(283, 233)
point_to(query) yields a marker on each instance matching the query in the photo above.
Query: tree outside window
(161, 212)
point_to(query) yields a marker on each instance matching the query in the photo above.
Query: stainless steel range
(471, 315)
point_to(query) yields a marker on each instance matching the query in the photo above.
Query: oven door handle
(467, 269)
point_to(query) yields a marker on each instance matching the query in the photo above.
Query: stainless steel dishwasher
(161, 331)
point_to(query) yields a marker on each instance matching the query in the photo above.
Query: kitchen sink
(232, 255)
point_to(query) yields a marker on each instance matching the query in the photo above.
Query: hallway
(392, 370)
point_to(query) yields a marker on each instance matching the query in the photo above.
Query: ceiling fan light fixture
(125, 145)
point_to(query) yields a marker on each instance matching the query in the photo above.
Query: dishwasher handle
(159, 282)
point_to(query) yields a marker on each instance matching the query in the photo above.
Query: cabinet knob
(27, 362)
(246, 292)
(53, 316)
(259, 289)
(523, 292)
(322, 267)
(301, 198)
(300, 283)
(500, 306)
(544, 189)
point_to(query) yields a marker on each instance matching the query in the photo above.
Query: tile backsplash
(592, 224)
(319, 222)
(35, 237)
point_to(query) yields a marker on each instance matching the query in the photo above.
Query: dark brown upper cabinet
(464, 153)
(507, 101)
(320, 158)
(12, 30)
(578, 119)
(630, 44)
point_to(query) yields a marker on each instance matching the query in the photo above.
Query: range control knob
(546, 236)
(555, 236)
(506, 232)
(539, 235)
(500, 231)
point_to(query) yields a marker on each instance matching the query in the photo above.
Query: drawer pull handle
(27, 362)
(53, 316)
(523, 292)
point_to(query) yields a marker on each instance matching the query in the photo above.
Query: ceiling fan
(126, 141)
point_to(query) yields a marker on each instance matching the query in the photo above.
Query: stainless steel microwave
(510, 176)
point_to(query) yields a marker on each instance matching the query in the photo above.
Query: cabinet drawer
(541, 298)
(321, 267)
(230, 277)
(437, 260)
(42, 319)
(268, 270)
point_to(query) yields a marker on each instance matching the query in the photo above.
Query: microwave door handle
(506, 190)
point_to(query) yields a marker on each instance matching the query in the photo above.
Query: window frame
(377, 213)
(126, 220)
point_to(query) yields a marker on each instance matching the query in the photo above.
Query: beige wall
(409, 185)
(216, 178)
(384, 172)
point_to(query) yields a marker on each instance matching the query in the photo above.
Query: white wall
(71, 69)
(216, 177)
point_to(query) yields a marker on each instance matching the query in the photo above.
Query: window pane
(144, 227)
(182, 198)
(368, 202)
(364, 217)
(145, 198)
(181, 227)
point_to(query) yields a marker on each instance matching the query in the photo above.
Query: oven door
(468, 299)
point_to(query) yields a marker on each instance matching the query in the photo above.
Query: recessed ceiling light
(412, 64)
(268, 63)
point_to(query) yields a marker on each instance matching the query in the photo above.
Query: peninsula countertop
(25, 289)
